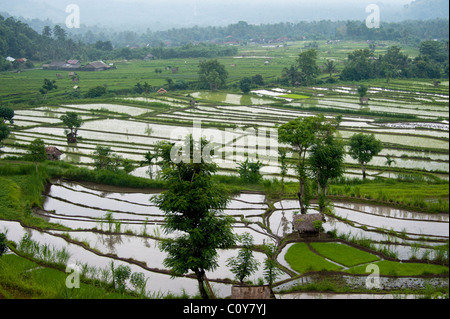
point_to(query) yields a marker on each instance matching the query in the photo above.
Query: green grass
(417, 195)
(392, 268)
(343, 254)
(23, 279)
(295, 96)
(21, 189)
(303, 260)
(24, 87)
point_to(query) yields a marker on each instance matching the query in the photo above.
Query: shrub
(96, 92)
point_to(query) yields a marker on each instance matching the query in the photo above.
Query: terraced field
(132, 232)
(416, 144)
(410, 118)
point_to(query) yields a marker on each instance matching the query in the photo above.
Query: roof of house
(98, 65)
(304, 223)
(62, 65)
(52, 150)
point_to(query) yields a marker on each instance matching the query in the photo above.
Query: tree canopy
(302, 133)
(363, 148)
(193, 206)
(73, 122)
(212, 75)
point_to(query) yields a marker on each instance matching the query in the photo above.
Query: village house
(63, 65)
(97, 66)
(149, 57)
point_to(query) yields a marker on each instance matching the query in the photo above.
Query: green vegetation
(244, 264)
(363, 148)
(193, 205)
(391, 268)
(212, 75)
(404, 85)
(295, 96)
(21, 278)
(21, 190)
(303, 260)
(343, 254)
(36, 152)
(416, 193)
(303, 134)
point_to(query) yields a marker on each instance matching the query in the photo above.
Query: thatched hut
(53, 153)
(304, 224)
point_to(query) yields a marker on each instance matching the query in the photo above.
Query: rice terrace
(322, 167)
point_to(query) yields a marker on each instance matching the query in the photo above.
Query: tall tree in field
(389, 161)
(302, 134)
(4, 132)
(307, 65)
(244, 264)
(36, 152)
(363, 148)
(362, 92)
(304, 71)
(292, 75)
(193, 206)
(47, 87)
(212, 75)
(327, 162)
(6, 114)
(330, 67)
(73, 122)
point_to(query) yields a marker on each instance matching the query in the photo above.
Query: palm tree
(389, 162)
(330, 67)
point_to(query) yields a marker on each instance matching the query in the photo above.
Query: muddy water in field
(83, 208)
(237, 99)
(158, 283)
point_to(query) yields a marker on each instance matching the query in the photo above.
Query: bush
(250, 172)
(3, 245)
(96, 92)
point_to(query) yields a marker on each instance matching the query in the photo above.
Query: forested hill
(19, 40)
(408, 31)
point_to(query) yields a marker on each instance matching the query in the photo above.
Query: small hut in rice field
(53, 153)
(304, 224)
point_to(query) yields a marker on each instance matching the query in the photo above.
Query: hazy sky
(179, 13)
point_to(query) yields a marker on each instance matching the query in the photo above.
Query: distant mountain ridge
(425, 9)
(158, 16)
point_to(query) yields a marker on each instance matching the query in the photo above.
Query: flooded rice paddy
(420, 145)
(133, 233)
